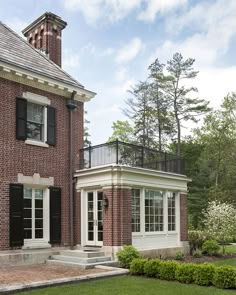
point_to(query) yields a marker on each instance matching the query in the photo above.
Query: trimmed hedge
(137, 266)
(127, 255)
(167, 270)
(225, 277)
(203, 274)
(185, 272)
(152, 268)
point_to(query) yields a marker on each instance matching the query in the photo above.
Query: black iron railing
(122, 153)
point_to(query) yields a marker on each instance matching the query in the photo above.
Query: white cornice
(135, 170)
(23, 76)
(125, 176)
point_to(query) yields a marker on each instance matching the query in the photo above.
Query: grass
(228, 261)
(128, 285)
(229, 249)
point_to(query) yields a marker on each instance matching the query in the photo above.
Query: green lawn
(229, 249)
(128, 285)
(228, 261)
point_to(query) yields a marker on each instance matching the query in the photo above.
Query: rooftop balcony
(127, 154)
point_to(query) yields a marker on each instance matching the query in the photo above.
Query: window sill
(37, 143)
(36, 245)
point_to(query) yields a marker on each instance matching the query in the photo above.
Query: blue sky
(108, 45)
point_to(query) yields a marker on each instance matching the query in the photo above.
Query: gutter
(71, 106)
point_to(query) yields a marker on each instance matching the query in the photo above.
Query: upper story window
(36, 115)
(35, 120)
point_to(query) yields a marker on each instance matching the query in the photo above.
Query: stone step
(81, 265)
(81, 253)
(83, 260)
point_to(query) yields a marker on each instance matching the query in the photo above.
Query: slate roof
(18, 52)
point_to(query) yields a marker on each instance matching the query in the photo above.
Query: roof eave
(20, 75)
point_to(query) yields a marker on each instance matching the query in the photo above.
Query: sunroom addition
(144, 196)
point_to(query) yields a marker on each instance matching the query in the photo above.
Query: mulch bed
(208, 258)
(41, 272)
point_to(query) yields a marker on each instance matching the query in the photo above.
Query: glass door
(94, 219)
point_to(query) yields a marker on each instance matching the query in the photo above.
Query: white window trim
(165, 232)
(41, 100)
(42, 242)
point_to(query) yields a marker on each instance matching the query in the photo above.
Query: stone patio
(41, 272)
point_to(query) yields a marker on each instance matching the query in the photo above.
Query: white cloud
(153, 7)
(107, 52)
(129, 51)
(114, 10)
(214, 32)
(70, 59)
(214, 83)
(102, 10)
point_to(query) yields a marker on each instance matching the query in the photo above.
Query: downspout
(71, 105)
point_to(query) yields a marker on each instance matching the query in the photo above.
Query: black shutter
(16, 215)
(55, 215)
(21, 118)
(51, 125)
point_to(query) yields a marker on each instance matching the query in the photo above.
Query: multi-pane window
(154, 220)
(35, 121)
(90, 217)
(135, 210)
(33, 213)
(171, 212)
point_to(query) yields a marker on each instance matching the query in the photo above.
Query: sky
(109, 44)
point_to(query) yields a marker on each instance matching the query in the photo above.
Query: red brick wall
(117, 229)
(183, 217)
(51, 41)
(18, 157)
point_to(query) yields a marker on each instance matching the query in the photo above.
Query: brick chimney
(45, 35)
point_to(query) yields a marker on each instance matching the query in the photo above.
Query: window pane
(38, 233)
(39, 204)
(27, 234)
(135, 210)
(27, 193)
(38, 223)
(171, 211)
(39, 194)
(153, 211)
(35, 121)
(38, 213)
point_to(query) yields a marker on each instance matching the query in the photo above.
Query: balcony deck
(121, 153)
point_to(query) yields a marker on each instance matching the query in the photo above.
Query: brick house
(53, 192)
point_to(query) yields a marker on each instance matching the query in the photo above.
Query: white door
(94, 220)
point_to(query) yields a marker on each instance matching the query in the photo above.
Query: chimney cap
(47, 16)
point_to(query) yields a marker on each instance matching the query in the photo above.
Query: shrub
(167, 270)
(210, 247)
(126, 255)
(225, 277)
(137, 266)
(152, 268)
(184, 272)
(197, 253)
(203, 274)
(179, 255)
(196, 239)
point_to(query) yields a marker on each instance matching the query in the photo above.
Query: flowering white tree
(220, 221)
